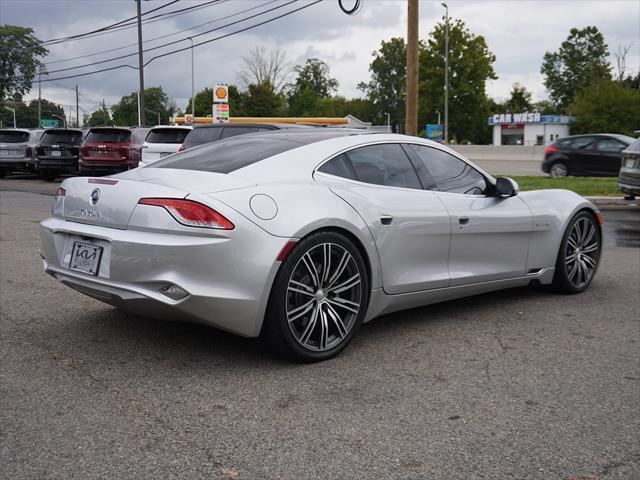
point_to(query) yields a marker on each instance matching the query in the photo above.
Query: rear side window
(582, 143)
(384, 164)
(339, 167)
(68, 137)
(111, 135)
(14, 137)
(233, 131)
(450, 173)
(227, 156)
(167, 135)
(199, 136)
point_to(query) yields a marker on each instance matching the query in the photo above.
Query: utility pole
(446, 73)
(104, 111)
(411, 106)
(141, 121)
(39, 96)
(193, 83)
(77, 108)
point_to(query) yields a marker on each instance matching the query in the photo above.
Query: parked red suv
(108, 150)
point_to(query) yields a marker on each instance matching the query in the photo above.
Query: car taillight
(60, 192)
(550, 149)
(190, 213)
(181, 148)
(84, 151)
(27, 152)
(124, 152)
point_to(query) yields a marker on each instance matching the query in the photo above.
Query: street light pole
(193, 83)
(446, 73)
(141, 121)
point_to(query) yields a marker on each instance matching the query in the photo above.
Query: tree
(520, 99)
(314, 74)
(386, 89)
(262, 101)
(98, 118)
(27, 113)
(470, 67)
(125, 112)
(261, 67)
(580, 62)
(606, 106)
(545, 107)
(19, 61)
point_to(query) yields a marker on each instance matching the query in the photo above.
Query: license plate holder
(85, 258)
(56, 153)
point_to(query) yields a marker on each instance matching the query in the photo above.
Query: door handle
(463, 220)
(386, 219)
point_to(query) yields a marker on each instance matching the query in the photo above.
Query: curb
(613, 201)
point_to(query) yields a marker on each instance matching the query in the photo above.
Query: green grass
(585, 186)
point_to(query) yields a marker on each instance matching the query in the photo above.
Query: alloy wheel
(559, 170)
(324, 296)
(582, 252)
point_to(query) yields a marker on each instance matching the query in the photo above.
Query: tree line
(578, 77)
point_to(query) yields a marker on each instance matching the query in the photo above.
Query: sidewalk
(611, 202)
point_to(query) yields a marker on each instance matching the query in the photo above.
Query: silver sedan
(301, 236)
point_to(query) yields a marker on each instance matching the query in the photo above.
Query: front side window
(610, 145)
(384, 164)
(449, 173)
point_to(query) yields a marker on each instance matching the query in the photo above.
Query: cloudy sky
(518, 32)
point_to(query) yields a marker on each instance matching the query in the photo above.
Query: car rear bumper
(629, 188)
(107, 166)
(227, 280)
(57, 163)
(18, 163)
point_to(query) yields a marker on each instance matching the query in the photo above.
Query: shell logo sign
(221, 94)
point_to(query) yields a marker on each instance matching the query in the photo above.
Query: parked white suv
(162, 141)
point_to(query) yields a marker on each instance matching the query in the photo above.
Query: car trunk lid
(110, 201)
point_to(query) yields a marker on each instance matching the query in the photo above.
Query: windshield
(167, 135)
(111, 135)
(14, 137)
(54, 137)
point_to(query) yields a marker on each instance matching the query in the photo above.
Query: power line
(108, 60)
(187, 48)
(102, 29)
(164, 36)
(125, 26)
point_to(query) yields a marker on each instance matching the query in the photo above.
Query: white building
(528, 128)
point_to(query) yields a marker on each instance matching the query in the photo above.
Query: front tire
(318, 300)
(579, 254)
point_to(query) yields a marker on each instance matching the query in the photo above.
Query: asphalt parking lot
(521, 384)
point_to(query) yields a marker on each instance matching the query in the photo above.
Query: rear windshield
(111, 135)
(167, 135)
(229, 155)
(198, 136)
(55, 137)
(14, 137)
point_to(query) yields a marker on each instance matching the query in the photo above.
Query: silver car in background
(163, 141)
(302, 235)
(18, 150)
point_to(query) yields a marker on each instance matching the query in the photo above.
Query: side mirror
(506, 187)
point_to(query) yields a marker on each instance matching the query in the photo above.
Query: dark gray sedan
(629, 178)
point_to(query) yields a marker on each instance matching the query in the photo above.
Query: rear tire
(318, 300)
(579, 254)
(559, 169)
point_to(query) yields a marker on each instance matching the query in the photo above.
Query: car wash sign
(514, 118)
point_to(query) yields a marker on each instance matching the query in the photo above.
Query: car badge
(95, 196)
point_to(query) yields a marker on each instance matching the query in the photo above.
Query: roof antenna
(353, 10)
